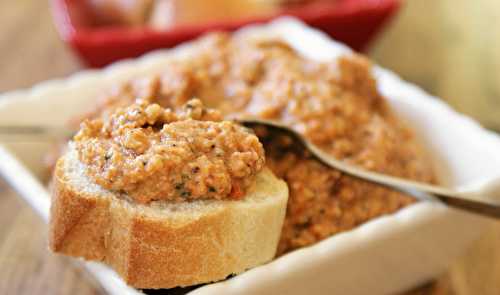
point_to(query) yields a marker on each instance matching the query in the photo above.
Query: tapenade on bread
(167, 198)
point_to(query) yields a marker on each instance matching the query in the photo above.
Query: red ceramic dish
(354, 22)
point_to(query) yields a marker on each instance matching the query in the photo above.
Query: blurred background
(448, 47)
(451, 49)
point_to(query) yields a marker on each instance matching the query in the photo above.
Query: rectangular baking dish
(354, 22)
(383, 256)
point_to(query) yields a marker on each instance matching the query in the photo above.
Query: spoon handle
(416, 189)
(419, 190)
(475, 206)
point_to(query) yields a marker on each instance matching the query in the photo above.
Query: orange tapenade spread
(151, 153)
(336, 104)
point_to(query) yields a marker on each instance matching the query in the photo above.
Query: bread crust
(152, 251)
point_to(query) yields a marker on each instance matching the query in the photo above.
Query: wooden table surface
(30, 51)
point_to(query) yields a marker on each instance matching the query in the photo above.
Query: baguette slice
(165, 244)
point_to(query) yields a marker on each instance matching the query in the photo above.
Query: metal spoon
(471, 201)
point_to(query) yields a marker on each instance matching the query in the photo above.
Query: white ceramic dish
(384, 256)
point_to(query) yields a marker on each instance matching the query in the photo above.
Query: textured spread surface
(335, 104)
(150, 153)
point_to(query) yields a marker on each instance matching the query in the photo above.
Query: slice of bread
(165, 244)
